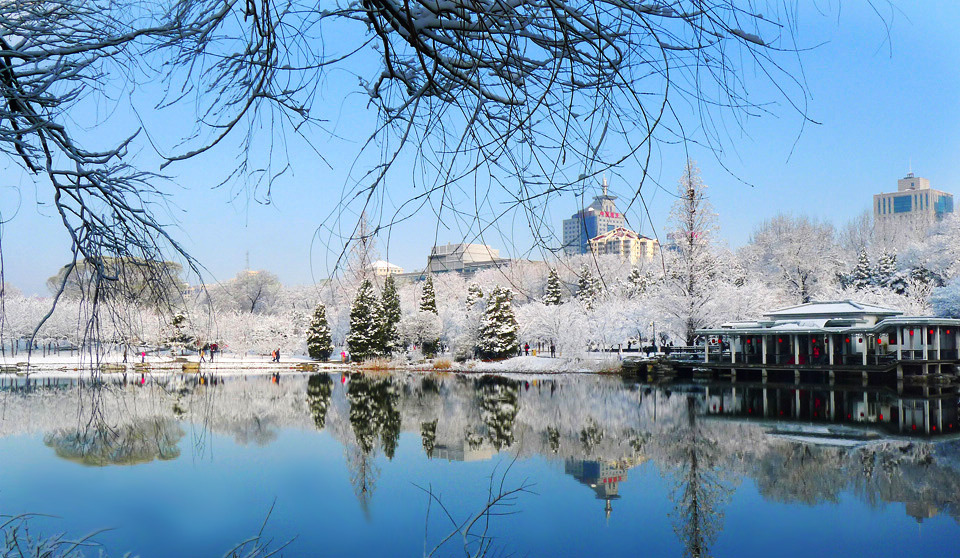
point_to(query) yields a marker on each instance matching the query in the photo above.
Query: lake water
(586, 465)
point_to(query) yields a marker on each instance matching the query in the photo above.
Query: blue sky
(884, 104)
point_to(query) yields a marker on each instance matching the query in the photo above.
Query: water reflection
(142, 441)
(797, 444)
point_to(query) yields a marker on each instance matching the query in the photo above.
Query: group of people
(275, 356)
(524, 350)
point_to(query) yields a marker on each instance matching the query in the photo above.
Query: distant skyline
(884, 104)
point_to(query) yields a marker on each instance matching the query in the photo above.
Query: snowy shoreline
(72, 368)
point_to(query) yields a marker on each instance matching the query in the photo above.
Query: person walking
(143, 357)
(201, 355)
(124, 355)
(553, 350)
(526, 349)
(277, 355)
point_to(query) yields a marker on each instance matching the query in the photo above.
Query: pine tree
(588, 287)
(428, 303)
(366, 319)
(554, 292)
(498, 331)
(474, 294)
(390, 336)
(862, 275)
(319, 343)
(637, 283)
(428, 300)
(886, 269)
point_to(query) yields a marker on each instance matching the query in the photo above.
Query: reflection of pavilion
(462, 452)
(604, 477)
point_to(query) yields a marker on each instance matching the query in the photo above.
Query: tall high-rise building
(913, 207)
(599, 217)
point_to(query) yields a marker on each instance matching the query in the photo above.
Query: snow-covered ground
(547, 365)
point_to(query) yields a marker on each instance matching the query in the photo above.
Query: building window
(902, 204)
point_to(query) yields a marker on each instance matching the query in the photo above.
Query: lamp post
(654, 326)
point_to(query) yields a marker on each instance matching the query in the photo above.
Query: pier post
(830, 352)
(706, 349)
(937, 343)
(733, 348)
(926, 345)
(866, 348)
(763, 347)
(899, 343)
(795, 341)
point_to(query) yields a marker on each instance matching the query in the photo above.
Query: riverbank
(74, 367)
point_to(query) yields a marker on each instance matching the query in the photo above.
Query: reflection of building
(598, 218)
(381, 268)
(626, 244)
(921, 511)
(461, 452)
(913, 207)
(604, 477)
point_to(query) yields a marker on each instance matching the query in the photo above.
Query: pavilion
(835, 334)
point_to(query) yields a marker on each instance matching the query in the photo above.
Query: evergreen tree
(366, 319)
(319, 343)
(862, 275)
(390, 336)
(428, 299)
(428, 303)
(637, 283)
(886, 269)
(588, 287)
(498, 331)
(554, 292)
(474, 294)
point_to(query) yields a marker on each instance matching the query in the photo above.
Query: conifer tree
(588, 287)
(319, 343)
(390, 336)
(554, 292)
(428, 303)
(498, 331)
(366, 319)
(637, 283)
(428, 299)
(474, 294)
(862, 275)
(886, 269)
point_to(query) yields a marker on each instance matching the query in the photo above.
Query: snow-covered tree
(422, 329)
(688, 290)
(862, 275)
(319, 342)
(366, 321)
(886, 272)
(554, 292)
(428, 298)
(588, 287)
(390, 335)
(498, 330)
(474, 294)
(945, 300)
(796, 254)
(637, 283)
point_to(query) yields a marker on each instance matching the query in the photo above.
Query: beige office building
(912, 209)
(625, 243)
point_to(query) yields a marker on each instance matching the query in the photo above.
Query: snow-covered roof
(619, 232)
(831, 309)
(384, 264)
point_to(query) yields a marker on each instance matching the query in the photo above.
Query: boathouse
(834, 335)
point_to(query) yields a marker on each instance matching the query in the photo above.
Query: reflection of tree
(499, 402)
(319, 388)
(591, 435)
(374, 412)
(131, 444)
(428, 434)
(553, 438)
(700, 492)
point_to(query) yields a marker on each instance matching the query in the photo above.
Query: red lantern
(911, 333)
(881, 416)
(879, 341)
(779, 339)
(748, 341)
(931, 332)
(848, 339)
